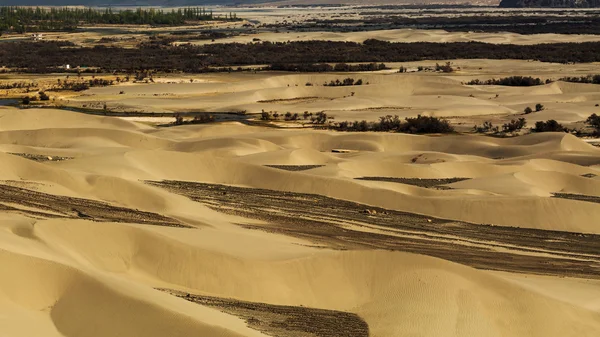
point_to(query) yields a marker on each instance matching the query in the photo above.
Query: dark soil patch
(283, 320)
(43, 205)
(580, 197)
(427, 183)
(337, 224)
(40, 157)
(295, 167)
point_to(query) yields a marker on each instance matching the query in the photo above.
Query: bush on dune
(389, 123)
(548, 126)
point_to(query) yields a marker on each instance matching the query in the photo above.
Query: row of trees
(389, 123)
(324, 67)
(528, 81)
(46, 56)
(343, 83)
(22, 19)
(550, 125)
(521, 23)
(593, 79)
(318, 118)
(512, 81)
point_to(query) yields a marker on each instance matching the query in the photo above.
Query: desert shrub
(265, 116)
(426, 124)
(25, 100)
(485, 128)
(319, 118)
(198, 119)
(539, 107)
(18, 85)
(527, 110)
(44, 96)
(548, 126)
(388, 123)
(446, 68)
(514, 125)
(594, 121)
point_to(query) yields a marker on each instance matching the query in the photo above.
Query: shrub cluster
(318, 118)
(593, 79)
(389, 123)
(198, 119)
(594, 122)
(514, 125)
(345, 82)
(324, 67)
(486, 128)
(445, 68)
(513, 81)
(18, 85)
(548, 126)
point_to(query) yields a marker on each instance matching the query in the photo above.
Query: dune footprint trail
(116, 228)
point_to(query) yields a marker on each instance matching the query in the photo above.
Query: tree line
(512, 81)
(47, 56)
(29, 19)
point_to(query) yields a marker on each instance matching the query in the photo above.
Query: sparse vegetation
(513, 81)
(446, 68)
(539, 107)
(418, 125)
(593, 79)
(487, 127)
(324, 67)
(514, 125)
(198, 119)
(345, 82)
(594, 122)
(548, 126)
(43, 96)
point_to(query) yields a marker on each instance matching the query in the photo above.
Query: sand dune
(382, 93)
(75, 271)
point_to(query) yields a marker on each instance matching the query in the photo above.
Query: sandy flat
(412, 35)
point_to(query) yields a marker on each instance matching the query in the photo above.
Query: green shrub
(539, 107)
(548, 126)
(44, 96)
(514, 125)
